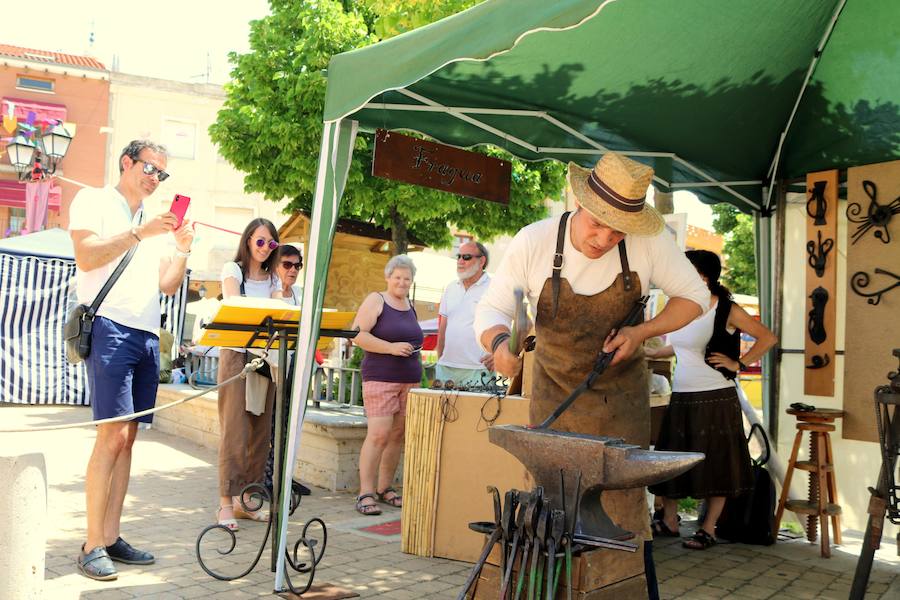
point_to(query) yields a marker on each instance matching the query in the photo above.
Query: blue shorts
(122, 369)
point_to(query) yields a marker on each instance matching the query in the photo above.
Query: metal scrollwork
(819, 362)
(819, 253)
(877, 216)
(861, 280)
(307, 553)
(816, 323)
(817, 195)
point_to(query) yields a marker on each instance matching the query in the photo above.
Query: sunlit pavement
(172, 497)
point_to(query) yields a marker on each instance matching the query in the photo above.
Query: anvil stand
(265, 334)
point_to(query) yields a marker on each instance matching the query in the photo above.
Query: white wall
(178, 115)
(856, 463)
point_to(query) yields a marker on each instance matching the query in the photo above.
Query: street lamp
(21, 152)
(25, 154)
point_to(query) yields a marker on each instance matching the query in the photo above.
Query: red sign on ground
(411, 160)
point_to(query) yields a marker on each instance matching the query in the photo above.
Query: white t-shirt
(461, 350)
(134, 299)
(692, 374)
(252, 287)
(528, 262)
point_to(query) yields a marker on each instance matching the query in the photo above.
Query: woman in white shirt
(704, 414)
(244, 435)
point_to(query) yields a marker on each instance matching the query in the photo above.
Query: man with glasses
(460, 357)
(123, 365)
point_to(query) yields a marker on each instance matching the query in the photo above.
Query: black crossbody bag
(80, 322)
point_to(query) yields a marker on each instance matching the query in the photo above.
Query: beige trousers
(244, 437)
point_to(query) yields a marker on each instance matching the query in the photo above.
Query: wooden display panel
(821, 282)
(873, 326)
(448, 466)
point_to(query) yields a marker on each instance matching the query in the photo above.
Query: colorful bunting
(9, 123)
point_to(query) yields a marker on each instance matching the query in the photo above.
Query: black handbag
(750, 517)
(80, 321)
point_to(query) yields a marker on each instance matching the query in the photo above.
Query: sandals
(660, 529)
(229, 524)
(396, 500)
(257, 515)
(367, 509)
(699, 541)
(97, 564)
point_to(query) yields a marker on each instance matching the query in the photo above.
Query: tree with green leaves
(739, 259)
(270, 126)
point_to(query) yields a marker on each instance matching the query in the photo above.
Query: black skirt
(708, 422)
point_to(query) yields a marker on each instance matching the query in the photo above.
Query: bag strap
(762, 434)
(111, 281)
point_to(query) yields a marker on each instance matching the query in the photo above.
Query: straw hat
(615, 191)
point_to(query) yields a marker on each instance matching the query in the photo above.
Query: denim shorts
(122, 369)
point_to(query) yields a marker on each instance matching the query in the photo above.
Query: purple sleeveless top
(395, 326)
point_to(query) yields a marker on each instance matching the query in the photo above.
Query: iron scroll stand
(309, 549)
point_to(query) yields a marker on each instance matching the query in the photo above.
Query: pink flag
(37, 196)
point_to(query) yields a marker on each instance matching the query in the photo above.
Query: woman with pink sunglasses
(245, 410)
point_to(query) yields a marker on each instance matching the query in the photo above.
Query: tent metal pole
(436, 106)
(774, 395)
(809, 72)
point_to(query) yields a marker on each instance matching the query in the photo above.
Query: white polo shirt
(134, 299)
(461, 350)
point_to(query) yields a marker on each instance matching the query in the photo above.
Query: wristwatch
(742, 365)
(182, 254)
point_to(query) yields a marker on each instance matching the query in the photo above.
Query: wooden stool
(823, 498)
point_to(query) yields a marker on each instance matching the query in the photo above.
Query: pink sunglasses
(260, 242)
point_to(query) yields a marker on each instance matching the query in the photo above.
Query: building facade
(51, 85)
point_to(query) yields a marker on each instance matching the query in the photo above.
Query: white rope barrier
(253, 365)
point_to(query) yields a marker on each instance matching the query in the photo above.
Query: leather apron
(568, 343)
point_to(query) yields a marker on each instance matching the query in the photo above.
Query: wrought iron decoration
(819, 362)
(861, 280)
(818, 253)
(816, 323)
(817, 195)
(877, 216)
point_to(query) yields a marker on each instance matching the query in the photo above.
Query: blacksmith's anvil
(606, 463)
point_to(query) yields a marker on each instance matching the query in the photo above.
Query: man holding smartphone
(123, 366)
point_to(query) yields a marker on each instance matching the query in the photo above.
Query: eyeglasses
(468, 256)
(288, 265)
(260, 242)
(151, 169)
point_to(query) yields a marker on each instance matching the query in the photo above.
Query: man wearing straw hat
(582, 273)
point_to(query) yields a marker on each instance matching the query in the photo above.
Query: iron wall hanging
(816, 323)
(876, 216)
(819, 362)
(818, 253)
(821, 281)
(817, 204)
(861, 280)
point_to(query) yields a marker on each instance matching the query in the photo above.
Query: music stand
(265, 323)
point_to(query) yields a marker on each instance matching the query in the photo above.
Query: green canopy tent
(722, 97)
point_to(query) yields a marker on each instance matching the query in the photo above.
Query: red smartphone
(179, 207)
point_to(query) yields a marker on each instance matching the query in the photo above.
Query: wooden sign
(821, 282)
(873, 295)
(411, 160)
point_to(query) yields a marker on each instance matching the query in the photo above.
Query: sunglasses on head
(260, 242)
(151, 169)
(288, 265)
(468, 256)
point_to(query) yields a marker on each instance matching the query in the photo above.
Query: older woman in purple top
(389, 332)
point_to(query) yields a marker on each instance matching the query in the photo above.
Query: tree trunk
(399, 237)
(663, 201)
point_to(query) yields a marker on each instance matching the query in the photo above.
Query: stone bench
(330, 443)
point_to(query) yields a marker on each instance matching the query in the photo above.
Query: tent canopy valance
(700, 89)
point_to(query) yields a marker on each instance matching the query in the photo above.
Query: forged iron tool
(554, 535)
(488, 546)
(540, 544)
(633, 317)
(523, 499)
(507, 523)
(531, 515)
